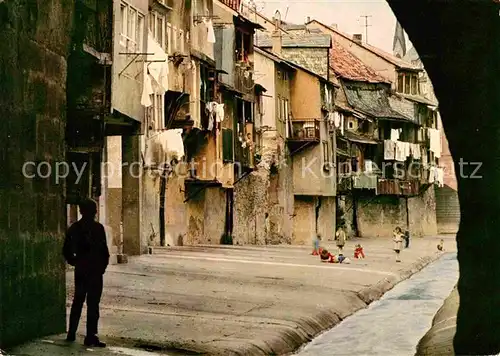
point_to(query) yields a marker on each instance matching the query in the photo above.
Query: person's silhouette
(86, 248)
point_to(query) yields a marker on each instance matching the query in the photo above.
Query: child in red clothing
(358, 252)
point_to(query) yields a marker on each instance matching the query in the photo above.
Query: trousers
(87, 287)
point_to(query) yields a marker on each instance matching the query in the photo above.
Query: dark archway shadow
(459, 44)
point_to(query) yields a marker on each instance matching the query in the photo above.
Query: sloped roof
(348, 66)
(372, 101)
(303, 40)
(400, 63)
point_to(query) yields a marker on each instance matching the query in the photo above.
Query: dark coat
(86, 248)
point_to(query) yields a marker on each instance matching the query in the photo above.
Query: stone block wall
(34, 45)
(313, 59)
(378, 216)
(422, 214)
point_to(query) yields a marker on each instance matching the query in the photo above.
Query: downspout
(163, 191)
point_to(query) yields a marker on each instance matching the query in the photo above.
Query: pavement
(237, 300)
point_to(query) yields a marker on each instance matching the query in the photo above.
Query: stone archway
(458, 43)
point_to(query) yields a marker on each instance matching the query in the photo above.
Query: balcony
(94, 27)
(364, 181)
(398, 187)
(344, 183)
(304, 133)
(243, 77)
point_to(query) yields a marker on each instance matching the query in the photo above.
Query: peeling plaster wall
(304, 227)
(206, 216)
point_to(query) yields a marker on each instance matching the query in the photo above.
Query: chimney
(358, 38)
(308, 19)
(276, 39)
(276, 35)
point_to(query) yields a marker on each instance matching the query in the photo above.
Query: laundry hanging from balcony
(389, 150)
(415, 151)
(147, 90)
(215, 114)
(395, 133)
(210, 31)
(157, 64)
(435, 142)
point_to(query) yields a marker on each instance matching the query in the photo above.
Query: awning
(350, 136)
(341, 152)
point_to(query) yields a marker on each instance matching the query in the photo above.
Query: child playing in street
(340, 237)
(398, 242)
(358, 252)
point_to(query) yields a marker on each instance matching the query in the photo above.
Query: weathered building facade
(378, 190)
(302, 121)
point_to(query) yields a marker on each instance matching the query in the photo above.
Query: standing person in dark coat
(86, 248)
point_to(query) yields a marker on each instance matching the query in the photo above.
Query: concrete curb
(439, 339)
(288, 339)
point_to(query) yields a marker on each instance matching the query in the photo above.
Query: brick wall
(34, 44)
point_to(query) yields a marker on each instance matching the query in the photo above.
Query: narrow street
(234, 300)
(394, 324)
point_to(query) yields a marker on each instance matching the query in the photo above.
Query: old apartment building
(239, 128)
(302, 127)
(386, 140)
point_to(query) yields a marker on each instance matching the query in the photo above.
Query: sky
(345, 13)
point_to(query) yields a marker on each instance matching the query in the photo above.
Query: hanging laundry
(389, 150)
(210, 31)
(400, 151)
(336, 119)
(432, 174)
(158, 67)
(369, 166)
(395, 134)
(415, 151)
(435, 142)
(440, 177)
(406, 149)
(147, 89)
(219, 112)
(172, 144)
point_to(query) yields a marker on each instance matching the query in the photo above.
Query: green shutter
(227, 145)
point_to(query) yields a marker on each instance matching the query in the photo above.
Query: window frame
(131, 33)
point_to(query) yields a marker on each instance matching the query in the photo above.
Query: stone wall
(304, 226)
(34, 44)
(250, 208)
(326, 218)
(313, 59)
(378, 216)
(206, 217)
(447, 210)
(422, 214)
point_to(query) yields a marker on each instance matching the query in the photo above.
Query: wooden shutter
(227, 145)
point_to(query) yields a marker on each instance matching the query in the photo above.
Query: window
(175, 35)
(400, 87)
(407, 84)
(132, 28)
(157, 112)
(351, 125)
(181, 41)
(227, 145)
(286, 110)
(157, 26)
(326, 152)
(414, 85)
(169, 38)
